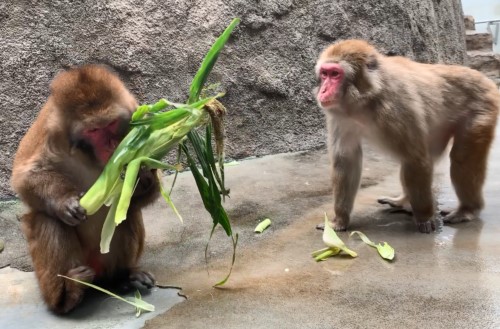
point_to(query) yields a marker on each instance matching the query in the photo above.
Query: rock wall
(157, 45)
(480, 53)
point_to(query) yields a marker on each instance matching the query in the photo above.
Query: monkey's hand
(147, 189)
(148, 182)
(69, 210)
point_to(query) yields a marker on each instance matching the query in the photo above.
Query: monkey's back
(454, 88)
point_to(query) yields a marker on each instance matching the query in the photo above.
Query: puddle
(22, 307)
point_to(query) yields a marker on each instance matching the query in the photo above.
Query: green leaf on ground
(332, 240)
(384, 249)
(136, 301)
(262, 225)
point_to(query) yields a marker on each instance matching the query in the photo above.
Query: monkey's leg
(417, 176)
(55, 249)
(344, 146)
(469, 156)
(400, 203)
(54, 194)
(346, 179)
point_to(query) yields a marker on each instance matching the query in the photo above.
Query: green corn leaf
(211, 157)
(209, 193)
(137, 297)
(178, 163)
(155, 129)
(324, 253)
(384, 249)
(168, 200)
(140, 112)
(160, 105)
(100, 191)
(331, 239)
(130, 182)
(320, 251)
(163, 119)
(262, 225)
(209, 62)
(134, 301)
(327, 253)
(235, 243)
(108, 228)
(198, 177)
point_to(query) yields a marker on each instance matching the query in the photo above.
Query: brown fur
(52, 168)
(412, 110)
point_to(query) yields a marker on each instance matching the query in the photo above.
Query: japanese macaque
(412, 110)
(59, 158)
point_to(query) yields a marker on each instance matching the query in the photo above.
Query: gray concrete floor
(448, 279)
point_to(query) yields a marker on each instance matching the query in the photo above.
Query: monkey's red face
(104, 140)
(331, 76)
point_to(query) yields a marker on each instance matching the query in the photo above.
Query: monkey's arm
(50, 192)
(347, 156)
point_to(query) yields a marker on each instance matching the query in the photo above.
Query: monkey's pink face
(104, 140)
(331, 76)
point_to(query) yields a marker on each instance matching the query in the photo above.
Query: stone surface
(21, 307)
(15, 252)
(156, 47)
(469, 23)
(486, 62)
(478, 41)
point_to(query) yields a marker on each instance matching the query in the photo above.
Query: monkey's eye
(334, 74)
(325, 74)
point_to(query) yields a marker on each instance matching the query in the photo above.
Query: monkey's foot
(320, 226)
(426, 227)
(82, 273)
(458, 216)
(400, 204)
(145, 278)
(72, 293)
(339, 226)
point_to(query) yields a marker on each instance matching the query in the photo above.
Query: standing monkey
(59, 158)
(412, 110)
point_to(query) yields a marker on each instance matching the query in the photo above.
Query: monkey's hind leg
(400, 203)
(417, 177)
(55, 249)
(469, 156)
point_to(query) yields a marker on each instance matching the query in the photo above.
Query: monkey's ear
(372, 63)
(363, 82)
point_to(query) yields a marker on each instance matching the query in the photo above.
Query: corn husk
(156, 130)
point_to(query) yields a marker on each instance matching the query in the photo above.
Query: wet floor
(447, 279)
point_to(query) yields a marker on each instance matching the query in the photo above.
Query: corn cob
(153, 134)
